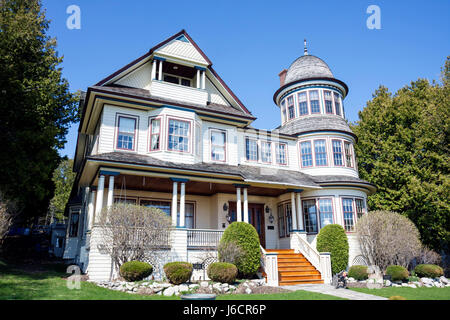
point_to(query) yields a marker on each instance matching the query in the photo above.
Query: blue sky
(250, 42)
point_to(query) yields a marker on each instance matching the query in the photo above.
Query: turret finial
(305, 51)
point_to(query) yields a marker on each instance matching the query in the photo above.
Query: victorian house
(166, 131)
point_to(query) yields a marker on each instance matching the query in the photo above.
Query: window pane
(280, 151)
(302, 103)
(179, 135)
(171, 79)
(337, 104)
(320, 152)
(360, 208)
(326, 212)
(306, 154)
(126, 125)
(347, 208)
(328, 101)
(186, 82)
(217, 145)
(314, 101)
(281, 224)
(155, 134)
(348, 154)
(266, 151)
(288, 211)
(310, 213)
(74, 219)
(251, 150)
(337, 152)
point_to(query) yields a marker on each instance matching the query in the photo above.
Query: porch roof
(249, 174)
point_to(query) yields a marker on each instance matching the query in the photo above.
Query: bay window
(306, 154)
(218, 145)
(302, 103)
(179, 135)
(126, 133)
(325, 212)
(320, 152)
(347, 209)
(348, 154)
(155, 134)
(280, 153)
(314, 101)
(328, 101)
(360, 208)
(337, 152)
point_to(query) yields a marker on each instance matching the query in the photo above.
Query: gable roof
(160, 45)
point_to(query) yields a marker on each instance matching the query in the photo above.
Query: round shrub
(397, 273)
(245, 236)
(178, 272)
(222, 272)
(135, 270)
(332, 239)
(358, 272)
(428, 270)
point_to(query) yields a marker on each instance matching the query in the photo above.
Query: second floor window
(266, 151)
(337, 152)
(155, 134)
(348, 154)
(251, 149)
(302, 103)
(306, 154)
(314, 101)
(179, 135)
(126, 133)
(280, 153)
(320, 152)
(218, 145)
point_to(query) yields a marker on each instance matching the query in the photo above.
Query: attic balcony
(178, 82)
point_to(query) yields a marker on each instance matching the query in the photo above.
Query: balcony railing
(203, 238)
(178, 92)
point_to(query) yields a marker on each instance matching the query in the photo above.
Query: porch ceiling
(157, 184)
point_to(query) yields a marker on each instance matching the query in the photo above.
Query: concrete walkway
(330, 290)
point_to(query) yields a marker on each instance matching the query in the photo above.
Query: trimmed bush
(397, 273)
(332, 239)
(222, 272)
(135, 270)
(245, 236)
(358, 272)
(428, 271)
(178, 272)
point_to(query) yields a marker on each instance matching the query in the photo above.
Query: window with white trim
(320, 152)
(306, 154)
(284, 219)
(126, 133)
(280, 153)
(155, 134)
(314, 101)
(291, 109)
(302, 104)
(337, 104)
(179, 135)
(283, 110)
(166, 206)
(218, 145)
(325, 211)
(251, 149)
(337, 152)
(348, 154)
(266, 151)
(360, 208)
(310, 214)
(348, 212)
(328, 101)
(281, 222)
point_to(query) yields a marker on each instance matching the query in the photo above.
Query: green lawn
(17, 284)
(422, 293)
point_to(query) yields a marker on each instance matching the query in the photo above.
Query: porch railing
(203, 238)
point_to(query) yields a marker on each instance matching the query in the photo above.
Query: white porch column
(110, 192)
(154, 69)
(293, 212)
(90, 211)
(198, 78)
(299, 212)
(182, 205)
(174, 203)
(246, 218)
(203, 79)
(238, 205)
(99, 201)
(160, 70)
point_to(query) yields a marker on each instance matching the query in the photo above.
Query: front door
(256, 216)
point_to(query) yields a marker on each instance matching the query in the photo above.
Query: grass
(422, 293)
(48, 284)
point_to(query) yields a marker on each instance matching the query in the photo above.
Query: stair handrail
(310, 253)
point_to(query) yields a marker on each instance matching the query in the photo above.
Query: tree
(388, 238)
(403, 148)
(63, 178)
(131, 232)
(36, 107)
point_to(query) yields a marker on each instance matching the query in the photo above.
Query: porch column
(299, 213)
(238, 204)
(160, 70)
(154, 69)
(293, 212)
(110, 192)
(174, 203)
(245, 205)
(182, 205)
(90, 211)
(198, 78)
(99, 201)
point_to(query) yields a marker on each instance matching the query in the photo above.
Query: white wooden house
(166, 131)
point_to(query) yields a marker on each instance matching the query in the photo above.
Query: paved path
(328, 289)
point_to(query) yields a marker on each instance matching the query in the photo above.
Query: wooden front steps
(294, 268)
